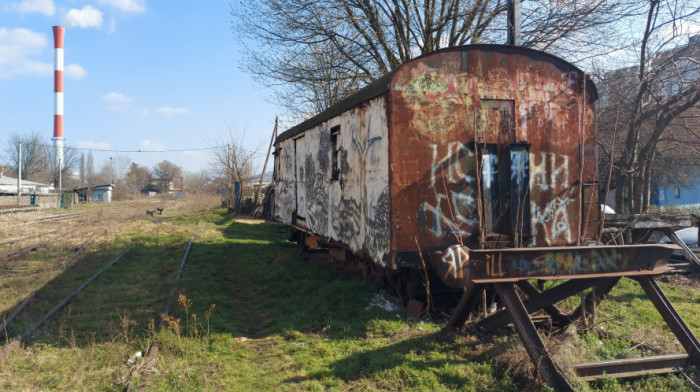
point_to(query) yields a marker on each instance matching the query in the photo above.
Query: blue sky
(139, 75)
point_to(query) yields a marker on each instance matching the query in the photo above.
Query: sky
(150, 75)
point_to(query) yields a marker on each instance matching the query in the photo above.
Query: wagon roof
(381, 85)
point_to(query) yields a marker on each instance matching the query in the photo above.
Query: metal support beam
(602, 288)
(531, 339)
(465, 305)
(553, 312)
(672, 318)
(544, 299)
(686, 250)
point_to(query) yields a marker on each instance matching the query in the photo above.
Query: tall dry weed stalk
(125, 327)
(172, 324)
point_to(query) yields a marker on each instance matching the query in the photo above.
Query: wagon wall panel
(354, 208)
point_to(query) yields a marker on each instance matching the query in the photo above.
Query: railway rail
(56, 218)
(53, 275)
(29, 331)
(153, 350)
(17, 208)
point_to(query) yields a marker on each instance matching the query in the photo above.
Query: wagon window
(335, 168)
(519, 188)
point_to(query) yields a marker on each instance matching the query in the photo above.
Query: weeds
(193, 328)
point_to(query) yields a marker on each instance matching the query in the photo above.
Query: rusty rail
(631, 367)
(153, 350)
(19, 339)
(26, 301)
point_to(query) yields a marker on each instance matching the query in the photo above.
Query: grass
(253, 313)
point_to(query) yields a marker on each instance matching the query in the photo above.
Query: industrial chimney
(58, 33)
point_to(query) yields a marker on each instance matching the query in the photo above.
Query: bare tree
(82, 169)
(90, 170)
(34, 153)
(106, 173)
(337, 46)
(120, 165)
(231, 161)
(166, 172)
(71, 160)
(645, 104)
(199, 182)
(138, 178)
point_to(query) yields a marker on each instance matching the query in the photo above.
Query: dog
(160, 211)
(148, 212)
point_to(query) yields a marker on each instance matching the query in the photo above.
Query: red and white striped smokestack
(58, 34)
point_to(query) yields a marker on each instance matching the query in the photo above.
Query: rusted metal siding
(522, 113)
(354, 209)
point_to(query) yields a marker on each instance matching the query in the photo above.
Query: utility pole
(229, 195)
(111, 170)
(513, 16)
(60, 175)
(262, 176)
(19, 171)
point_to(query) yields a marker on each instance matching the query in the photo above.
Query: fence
(42, 200)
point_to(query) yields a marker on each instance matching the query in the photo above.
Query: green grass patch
(254, 313)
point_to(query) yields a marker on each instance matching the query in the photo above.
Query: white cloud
(126, 5)
(117, 101)
(152, 145)
(94, 145)
(83, 18)
(112, 26)
(143, 113)
(46, 7)
(74, 71)
(169, 112)
(17, 49)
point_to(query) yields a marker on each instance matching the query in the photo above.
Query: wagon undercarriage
(510, 273)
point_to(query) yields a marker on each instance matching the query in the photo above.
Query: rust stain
(447, 109)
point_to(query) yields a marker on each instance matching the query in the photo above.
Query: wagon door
(504, 170)
(299, 189)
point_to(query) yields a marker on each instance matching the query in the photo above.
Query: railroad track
(17, 208)
(53, 275)
(17, 253)
(29, 331)
(153, 350)
(55, 218)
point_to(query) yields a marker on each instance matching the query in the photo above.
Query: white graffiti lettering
(554, 219)
(456, 257)
(455, 161)
(552, 172)
(450, 211)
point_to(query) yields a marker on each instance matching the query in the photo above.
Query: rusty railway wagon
(479, 163)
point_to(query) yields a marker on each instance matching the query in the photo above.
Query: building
(8, 186)
(94, 194)
(670, 150)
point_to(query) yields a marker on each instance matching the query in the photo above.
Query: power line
(115, 150)
(140, 151)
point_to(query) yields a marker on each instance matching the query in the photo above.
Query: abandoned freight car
(487, 146)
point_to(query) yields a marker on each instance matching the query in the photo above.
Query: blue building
(666, 196)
